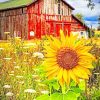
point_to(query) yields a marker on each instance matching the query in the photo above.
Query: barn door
(58, 27)
(67, 29)
(38, 27)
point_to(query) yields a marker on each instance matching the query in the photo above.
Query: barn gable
(11, 4)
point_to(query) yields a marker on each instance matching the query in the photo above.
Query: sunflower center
(67, 58)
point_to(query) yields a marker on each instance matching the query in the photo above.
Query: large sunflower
(67, 58)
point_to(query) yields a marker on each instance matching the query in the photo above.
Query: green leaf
(94, 64)
(43, 97)
(96, 94)
(82, 85)
(72, 84)
(56, 86)
(56, 96)
(68, 96)
(76, 90)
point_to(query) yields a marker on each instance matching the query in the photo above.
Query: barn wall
(77, 26)
(13, 21)
(53, 7)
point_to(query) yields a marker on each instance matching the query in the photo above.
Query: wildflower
(16, 67)
(37, 80)
(29, 91)
(19, 76)
(11, 74)
(17, 37)
(1, 48)
(6, 32)
(35, 76)
(7, 58)
(38, 54)
(26, 53)
(9, 94)
(14, 62)
(12, 71)
(7, 86)
(67, 59)
(30, 45)
(45, 92)
(21, 82)
(25, 47)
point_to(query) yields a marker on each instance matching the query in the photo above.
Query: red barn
(34, 18)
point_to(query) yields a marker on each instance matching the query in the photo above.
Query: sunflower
(67, 58)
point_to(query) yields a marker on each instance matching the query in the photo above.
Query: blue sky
(90, 16)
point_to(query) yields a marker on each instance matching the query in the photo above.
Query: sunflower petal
(65, 75)
(63, 39)
(61, 82)
(73, 76)
(60, 73)
(80, 73)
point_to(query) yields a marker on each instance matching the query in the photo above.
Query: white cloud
(94, 24)
(81, 7)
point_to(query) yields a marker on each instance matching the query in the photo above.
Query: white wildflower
(23, 71)
(30, 45)
(6, 32)
(26, 53)
(29, 91)
(45, 92)
(11, 74)
(9, 94)
(18, 76)
(7, 86)
(25, 47)
(35, 76)
(21, 82)
(16, 67)
(38, 54)
(1, 48)
(38, 80)
(7, 58)
(14, 62)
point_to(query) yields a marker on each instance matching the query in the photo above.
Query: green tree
(80, 17)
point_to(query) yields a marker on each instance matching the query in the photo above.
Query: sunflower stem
(63, 89)
(86, 88)
(50, 91)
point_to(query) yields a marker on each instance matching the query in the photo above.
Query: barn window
(58, 6)
(81, 33)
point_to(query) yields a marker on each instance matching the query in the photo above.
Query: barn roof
(82, 23)
(21, 3)
(15, 4)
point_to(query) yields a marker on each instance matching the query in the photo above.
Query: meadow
(23, 74)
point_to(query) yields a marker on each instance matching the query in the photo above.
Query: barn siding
(51, 7)
(15, 22)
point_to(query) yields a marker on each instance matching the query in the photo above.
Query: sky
(90, 16)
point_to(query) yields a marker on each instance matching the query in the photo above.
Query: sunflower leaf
(67, 96)
(56, 86)
(43, 97)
